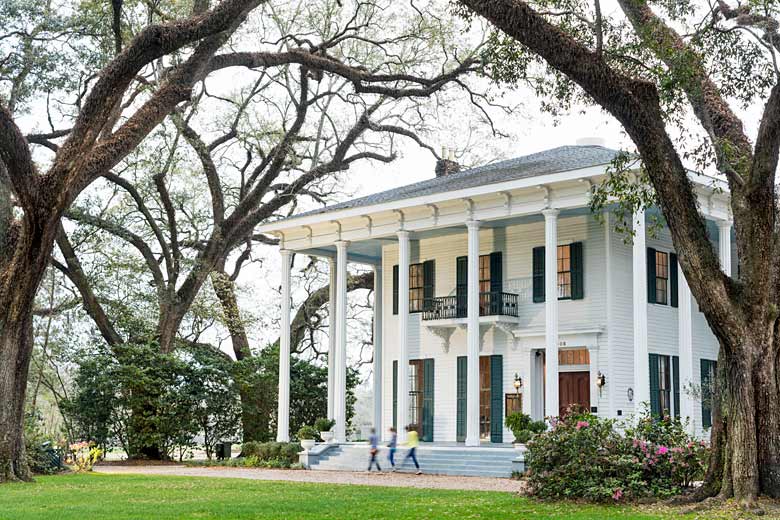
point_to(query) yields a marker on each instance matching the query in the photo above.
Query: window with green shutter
(538, 274)
(460, 392)
(655, 404)
(660, 385)
(429, 283)
(570, 272)
(427, 411)
(395, 394)
(651, 280)
(395, 289)
(708, 374)
(673, 279)
(496, 399)
(461, 285)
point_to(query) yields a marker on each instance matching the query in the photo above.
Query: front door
(484, 397)
(573, 389)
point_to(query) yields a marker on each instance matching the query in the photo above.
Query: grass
(164, 497)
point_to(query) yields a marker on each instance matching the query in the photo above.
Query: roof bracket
(309, 233)
(338, 228)
(434, 213)
(369, 224)
(547, 193)
(469, 207)
(507, 201)
(401, 219)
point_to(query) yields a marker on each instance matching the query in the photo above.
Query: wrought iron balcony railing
(490, 304)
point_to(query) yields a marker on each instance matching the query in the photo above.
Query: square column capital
(550, 213)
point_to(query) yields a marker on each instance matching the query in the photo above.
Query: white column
(340, 398)
(283, 415)
(724, 245)
(472, 335)
(593, 354)
(402, 397)
(685, 337)
(378, 349)
(641, 362)
(551, 310)
(332, 338)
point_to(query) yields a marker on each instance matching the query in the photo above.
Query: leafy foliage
(270, 454)
(523, 427)
(584, 456)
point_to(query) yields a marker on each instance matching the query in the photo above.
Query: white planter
(327, 436)
(307, 444)
(521, 448)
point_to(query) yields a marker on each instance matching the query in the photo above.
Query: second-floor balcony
(452, 307)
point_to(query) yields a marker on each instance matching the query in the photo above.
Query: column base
(472, 442)
(282, 438)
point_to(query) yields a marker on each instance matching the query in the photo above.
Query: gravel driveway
(325, 477)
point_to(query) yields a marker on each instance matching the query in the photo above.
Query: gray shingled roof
(556, 160)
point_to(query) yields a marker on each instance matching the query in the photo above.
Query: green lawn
(151, 497)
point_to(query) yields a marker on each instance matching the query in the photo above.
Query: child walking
(412, 441)
(373, 440)
(392, 446)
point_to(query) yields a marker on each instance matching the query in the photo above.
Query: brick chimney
(447, 164)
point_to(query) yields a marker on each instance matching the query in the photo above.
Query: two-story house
(498, 290)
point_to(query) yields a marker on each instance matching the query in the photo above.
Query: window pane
(564, 271)
(661, 276)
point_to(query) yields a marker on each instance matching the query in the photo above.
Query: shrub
(259, 454)
(324, 425)
(523, 427)
(308, 433)
(584, 456)
(84, 455)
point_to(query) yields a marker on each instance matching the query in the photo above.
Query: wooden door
(573, 388)
(484, 397)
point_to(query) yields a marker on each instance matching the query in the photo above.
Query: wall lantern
(601, 380)
(518, 383)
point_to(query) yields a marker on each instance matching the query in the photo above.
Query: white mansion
(498, 290)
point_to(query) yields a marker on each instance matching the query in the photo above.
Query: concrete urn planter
(327, 436)
(520, 448)
(307, 444)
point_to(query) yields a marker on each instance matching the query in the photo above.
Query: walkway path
(325, 477)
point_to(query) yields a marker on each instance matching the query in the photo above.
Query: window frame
(665, 384)
(662, 283)
(418, 290)
(564, 272)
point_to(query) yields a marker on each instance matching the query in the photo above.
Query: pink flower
(617, 495)
(582, 424)
(662, 450)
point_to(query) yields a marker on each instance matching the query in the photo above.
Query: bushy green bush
(583, 456)
(308, 433)
(260, 454)
(523, 427)
(324, 425)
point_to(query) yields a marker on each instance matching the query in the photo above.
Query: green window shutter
(676, 384)
(707, 373)
(538, 274)
(427, 412)
(395, 394)
(429, 283)
(395, 289)
(655, 385)
(460, 434)
(577, 272)
(496, 282)
(673, 279)
(496, 399)
(650, 275)
(461, 284)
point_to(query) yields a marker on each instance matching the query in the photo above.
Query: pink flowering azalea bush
(586, 457)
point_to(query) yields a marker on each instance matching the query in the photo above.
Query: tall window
(416, 288)
(564, 272)
(484, 273)
(661, 277)
(415, 392)
(664, 386)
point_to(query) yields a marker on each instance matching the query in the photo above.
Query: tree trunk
(15, 352)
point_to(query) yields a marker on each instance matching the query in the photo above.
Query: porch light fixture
(601, 380)
(518, 383)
